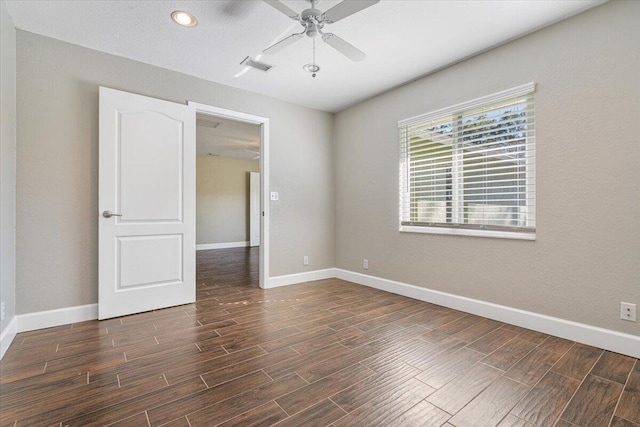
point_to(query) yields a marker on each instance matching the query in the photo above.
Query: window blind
(471, 165)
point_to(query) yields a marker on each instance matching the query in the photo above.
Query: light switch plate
(274, 196)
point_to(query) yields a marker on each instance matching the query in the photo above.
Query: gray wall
(7, 165)
(57, 169)
(222, 199)
(341, 179)
(586, 258)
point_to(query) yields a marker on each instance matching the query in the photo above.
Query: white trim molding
(515, 92)
(598, 337)
(227, 245)
(61, 316)
(579, 332)
(7, 336)
(263, 122)
(468, 232)
(308, 276)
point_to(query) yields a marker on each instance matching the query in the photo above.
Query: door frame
(263, 122)
(253, 188)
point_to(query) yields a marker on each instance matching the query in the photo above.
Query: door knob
(109, 214)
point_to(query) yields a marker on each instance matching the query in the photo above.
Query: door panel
(149, 261)
(152, 143)
(147, 175)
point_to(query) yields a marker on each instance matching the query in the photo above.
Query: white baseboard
(227, 245)
(61, 316)
(598, 337)
(7, 336)
(309, 276)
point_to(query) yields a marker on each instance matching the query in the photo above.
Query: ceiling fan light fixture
(312, 29)
(311, 68)
(183, 18)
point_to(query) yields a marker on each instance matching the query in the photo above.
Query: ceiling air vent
(250, 62)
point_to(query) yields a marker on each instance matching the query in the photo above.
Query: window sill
(468, 232)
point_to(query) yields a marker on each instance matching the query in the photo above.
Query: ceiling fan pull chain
(315, 67)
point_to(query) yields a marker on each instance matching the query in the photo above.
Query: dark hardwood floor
(326, 353)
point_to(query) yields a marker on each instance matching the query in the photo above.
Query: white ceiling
(220, 137)
(403, 39)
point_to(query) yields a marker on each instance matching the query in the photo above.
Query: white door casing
(263, 122)
(147, 175)
(254, 209)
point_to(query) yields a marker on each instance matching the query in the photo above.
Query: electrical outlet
(1, 311)
(365, 264)
(305, 260)
(628, 311)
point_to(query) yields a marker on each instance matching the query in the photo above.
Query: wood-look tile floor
(327, 353)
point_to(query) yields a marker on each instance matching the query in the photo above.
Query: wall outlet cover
(628, 311)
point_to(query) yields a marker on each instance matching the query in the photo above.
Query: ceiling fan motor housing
(312, 20)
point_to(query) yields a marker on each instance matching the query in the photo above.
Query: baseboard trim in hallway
(228, 245)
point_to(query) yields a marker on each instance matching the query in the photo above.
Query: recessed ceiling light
(184, 18)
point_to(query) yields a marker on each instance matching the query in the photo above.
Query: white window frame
(457, 198)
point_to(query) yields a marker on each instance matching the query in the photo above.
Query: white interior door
(254, 209)
(147, 182)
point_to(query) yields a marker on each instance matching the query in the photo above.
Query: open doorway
(227, 199)
(231, 208)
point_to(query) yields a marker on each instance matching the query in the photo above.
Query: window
(470, 169)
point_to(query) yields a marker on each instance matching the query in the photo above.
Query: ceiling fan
(314, 20)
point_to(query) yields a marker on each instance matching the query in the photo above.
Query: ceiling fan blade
(347, 49)
(278, 46)
(347, 8)
(282, 8)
